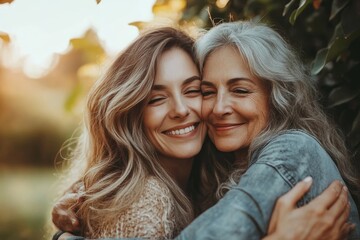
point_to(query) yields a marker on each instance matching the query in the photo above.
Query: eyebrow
(229, 82)
(159, 87)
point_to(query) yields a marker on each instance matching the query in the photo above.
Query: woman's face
(172, 117)
(235, 103)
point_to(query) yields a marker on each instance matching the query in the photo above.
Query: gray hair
(293, 95)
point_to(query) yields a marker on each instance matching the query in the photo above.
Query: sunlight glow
(40, 28)
(221, 3)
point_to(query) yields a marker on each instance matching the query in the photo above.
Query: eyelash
(155, 100)
(193, 91)
(240, 91)
(207, 93)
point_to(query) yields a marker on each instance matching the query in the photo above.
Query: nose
(179, 108)
(222, 106)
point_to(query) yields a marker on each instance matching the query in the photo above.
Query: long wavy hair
(293, 96)
(117, 154)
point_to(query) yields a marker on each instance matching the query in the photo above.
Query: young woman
(143, 131)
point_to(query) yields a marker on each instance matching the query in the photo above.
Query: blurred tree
(5, 1)
(328, 34)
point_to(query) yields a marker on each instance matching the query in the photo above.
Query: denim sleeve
(244, 212)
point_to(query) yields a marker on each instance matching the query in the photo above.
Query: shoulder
(290, 144)
(156, 193)
(294, 138)
(156, 197)
(295, 154)
(151, 216)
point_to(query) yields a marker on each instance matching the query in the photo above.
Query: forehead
(225, 63)
(173, 66)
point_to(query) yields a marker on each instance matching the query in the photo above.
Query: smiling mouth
(182, 131)
(224, 127)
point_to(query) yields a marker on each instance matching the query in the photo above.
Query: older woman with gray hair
(261, 104)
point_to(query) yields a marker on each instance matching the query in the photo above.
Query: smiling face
(235, 103)
(172, 116)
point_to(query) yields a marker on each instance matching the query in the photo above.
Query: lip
(226, 126)
(180, 132)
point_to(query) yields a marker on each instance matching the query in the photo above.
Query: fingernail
(345, 188)
(308, 179)
(73, 221)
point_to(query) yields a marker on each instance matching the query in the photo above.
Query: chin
(225, 147)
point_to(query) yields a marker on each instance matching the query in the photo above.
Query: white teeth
(181, 131)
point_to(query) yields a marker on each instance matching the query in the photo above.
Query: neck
(179, 170)
(241, 157)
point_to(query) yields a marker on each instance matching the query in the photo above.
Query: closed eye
(207, 93)
(155, 100)
(193, 92)
(241, 91)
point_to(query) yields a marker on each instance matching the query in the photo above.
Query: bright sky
(40, 28)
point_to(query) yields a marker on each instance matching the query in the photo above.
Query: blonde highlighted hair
(118, 155)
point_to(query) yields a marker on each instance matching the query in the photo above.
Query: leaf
(73, 97)
(337, 6)
(303, 4)
(337, 44)
(319, 61)
(288, 6)
(341, 95)
(350, 18)
(140, 25)
(5, 37)
(168, 6)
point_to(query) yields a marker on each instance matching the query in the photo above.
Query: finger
(346, 230)
(329, 196)
(343, 218)
(341, 204)
(273, 220)
(296, 193)
(288, 201)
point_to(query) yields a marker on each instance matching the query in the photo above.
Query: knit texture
(151, 217)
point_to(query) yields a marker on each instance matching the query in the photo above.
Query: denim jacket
(245, 210)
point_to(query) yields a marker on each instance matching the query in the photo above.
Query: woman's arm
(151, 217)
(323, 218)
(290, 222)
(246, 209)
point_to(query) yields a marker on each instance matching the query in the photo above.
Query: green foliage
(328, 34)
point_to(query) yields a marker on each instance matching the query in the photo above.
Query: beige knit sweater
(151, 217)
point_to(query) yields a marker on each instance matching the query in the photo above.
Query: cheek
(262, 114)
(153, 118)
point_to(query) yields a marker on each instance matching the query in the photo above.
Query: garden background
(38, 114)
